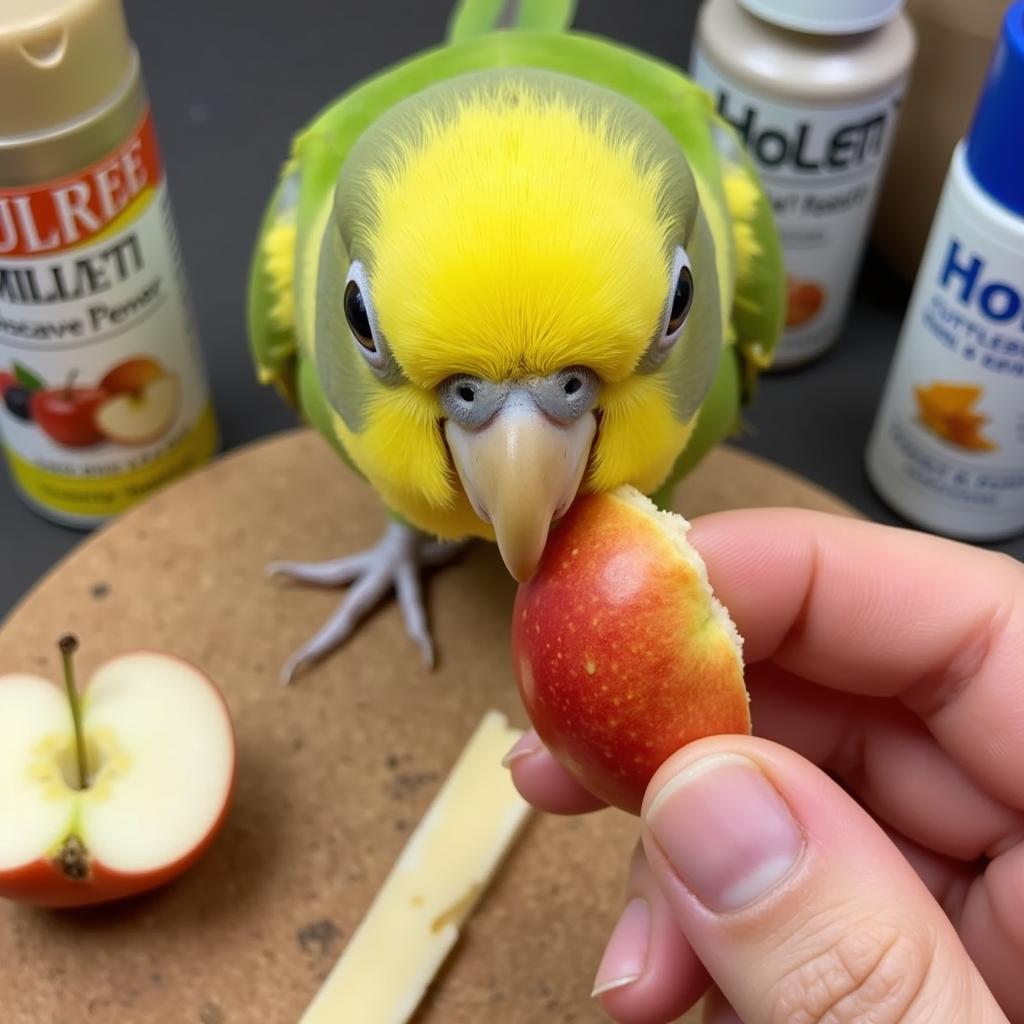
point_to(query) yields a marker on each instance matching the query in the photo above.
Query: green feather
(718, 419)
(472, 18)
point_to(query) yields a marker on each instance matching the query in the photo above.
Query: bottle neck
(838, 18)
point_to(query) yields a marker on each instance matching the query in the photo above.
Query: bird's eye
(682, 299)
(357, 317)
(678, 304)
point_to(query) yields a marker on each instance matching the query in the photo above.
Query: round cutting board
(333, 772)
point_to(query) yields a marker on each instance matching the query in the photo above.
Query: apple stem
(68, 385)
(68, 645)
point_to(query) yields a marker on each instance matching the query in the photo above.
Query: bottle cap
(59, 61)
(995, 147)
(836, 17)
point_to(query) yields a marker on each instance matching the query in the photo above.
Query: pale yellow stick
(414, 920)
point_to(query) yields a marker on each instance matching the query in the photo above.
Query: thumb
(796, 902)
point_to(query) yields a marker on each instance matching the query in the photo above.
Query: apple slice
(622, 652)
(131, 376)
(154, 743)
(140, 418)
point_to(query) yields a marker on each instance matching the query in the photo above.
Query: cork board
(333, 772)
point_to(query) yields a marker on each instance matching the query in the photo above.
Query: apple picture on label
(803, 301)
(113, 792)
(142, 402)
(135, 403)
(68, 413)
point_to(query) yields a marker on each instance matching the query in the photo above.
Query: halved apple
(128, 418)
(131, 376)
(158, 749)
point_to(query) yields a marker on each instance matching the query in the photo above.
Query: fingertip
(543, 782)
(661, 975)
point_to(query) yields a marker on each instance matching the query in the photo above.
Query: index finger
(884, 612)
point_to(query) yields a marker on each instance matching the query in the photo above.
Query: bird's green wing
(759, 306)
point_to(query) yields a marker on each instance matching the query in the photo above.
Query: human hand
(894, 662)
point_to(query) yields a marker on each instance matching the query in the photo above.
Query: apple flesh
(622, 653)
(161, 755)
(143, 417)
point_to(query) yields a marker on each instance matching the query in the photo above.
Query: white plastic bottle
(813, 89)
(947, 448)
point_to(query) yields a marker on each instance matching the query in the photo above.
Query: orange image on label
(947, 410)
(803, 301)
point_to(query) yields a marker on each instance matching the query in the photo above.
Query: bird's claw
(333, 573)
(393, 563)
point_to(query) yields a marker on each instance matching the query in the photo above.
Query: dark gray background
(230, 80)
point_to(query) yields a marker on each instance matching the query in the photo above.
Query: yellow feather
(414, 476)
(516, 235)
(279, 264)
(743, 196)
(640, 438)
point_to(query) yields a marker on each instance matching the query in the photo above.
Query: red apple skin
(803, 300)
(617, 662)
(42, 883)
(132, 376)
(68, 415)
(7, 381)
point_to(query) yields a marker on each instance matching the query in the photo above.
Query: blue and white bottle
(947, 448)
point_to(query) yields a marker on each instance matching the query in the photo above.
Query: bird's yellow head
(507, 303)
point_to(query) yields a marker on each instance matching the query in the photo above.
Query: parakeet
(525, 264)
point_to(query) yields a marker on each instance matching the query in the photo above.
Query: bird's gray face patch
(676, 312)
(563, 397)
(364, 327)
(340, 354)
(566, 395)
(687, 344)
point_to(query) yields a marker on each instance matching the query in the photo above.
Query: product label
(948, 444)
(103, 392)
(822, 167)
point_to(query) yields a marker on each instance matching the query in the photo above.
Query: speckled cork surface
(333, 773)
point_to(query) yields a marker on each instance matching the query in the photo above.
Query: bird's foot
(394, 562)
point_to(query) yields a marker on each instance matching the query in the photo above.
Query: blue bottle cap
(995, 144)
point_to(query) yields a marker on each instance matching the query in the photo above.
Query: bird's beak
(520, 472)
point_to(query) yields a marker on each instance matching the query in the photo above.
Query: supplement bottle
(813, 89)
(947, 449)
(103, 396)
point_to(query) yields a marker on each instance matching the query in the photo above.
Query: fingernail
(726, 830)
(626, 953)
(526, 745)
